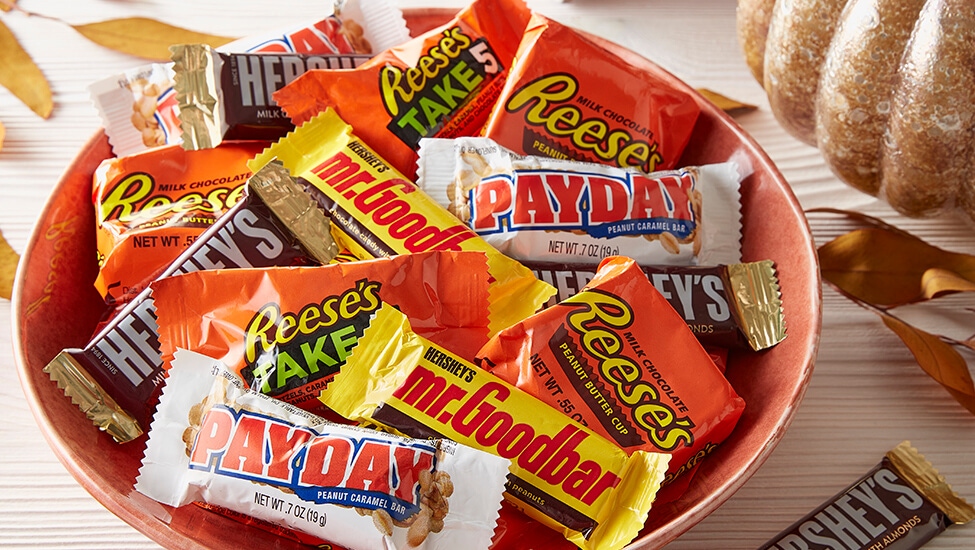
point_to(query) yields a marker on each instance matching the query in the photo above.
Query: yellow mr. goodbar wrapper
(562, 474)
(376, 212)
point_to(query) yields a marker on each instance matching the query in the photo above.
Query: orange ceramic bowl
(55, 306)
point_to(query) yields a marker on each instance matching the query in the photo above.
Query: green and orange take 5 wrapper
(618, 358)
(376, 212)
(288, 331)
(561, 473)
(441, 84)
(569, 98)
(151, 206)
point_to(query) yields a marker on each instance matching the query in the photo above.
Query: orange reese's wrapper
(619, 358)
(150, 206)
(288, 330)
(567, 97)
(376, 212)
(440, 84)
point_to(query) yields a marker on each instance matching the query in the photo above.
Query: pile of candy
(409, 286)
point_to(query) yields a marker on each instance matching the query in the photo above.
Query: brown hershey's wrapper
(114, 380)
(227, 96)
(728, 306)
(900, 504)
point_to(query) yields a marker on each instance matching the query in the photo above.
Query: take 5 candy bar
(287, 331)
(562, 474)
(441, 84)
(216, 442)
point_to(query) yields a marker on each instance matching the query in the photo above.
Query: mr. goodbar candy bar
(562, 474)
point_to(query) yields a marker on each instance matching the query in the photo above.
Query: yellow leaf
(7, 5)
(940, 360)
(8, 268)
(20, 75)
(726, 104)
(144, 37)
(3, 132)
(891, 267)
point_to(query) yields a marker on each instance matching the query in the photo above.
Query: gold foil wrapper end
(88, 395)
(296, 209)
(754, 289)
(200, 118)
(916, 470)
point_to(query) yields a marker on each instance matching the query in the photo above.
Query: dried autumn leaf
(144, 37)
(8, 268)
(940, 360)
(890, 268)
(726, 104)
(20, 75)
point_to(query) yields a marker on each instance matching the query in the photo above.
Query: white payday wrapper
(212, 440)
(550, 210)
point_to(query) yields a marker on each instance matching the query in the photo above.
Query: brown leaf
(891, 267)
(20, 75)
(726, 104)
(8, 268)
(144, 37)
(940, 360)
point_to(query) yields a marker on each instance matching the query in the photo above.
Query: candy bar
(727, 306)
(562, 473)
(151, 206)
(541, 209)
(441, 84)
(619, 359)
(900, 504)
(591, 105)
(139, 109)
(287, 331)
(214, 441)
(225, 96)
(115, 378)
(376, 212)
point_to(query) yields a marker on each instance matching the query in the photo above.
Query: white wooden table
(867, 394)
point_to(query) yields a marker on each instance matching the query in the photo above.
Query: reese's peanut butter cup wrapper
(225, 96)
(377, 212)
(115, 378)
(900, 504)
(541, 209)
(725, 306)
(152, 205)
(139, 108)
(441, 84)
(619, 359)
(214, 441)
(562, 474)
(590, 104)
(288, 331)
